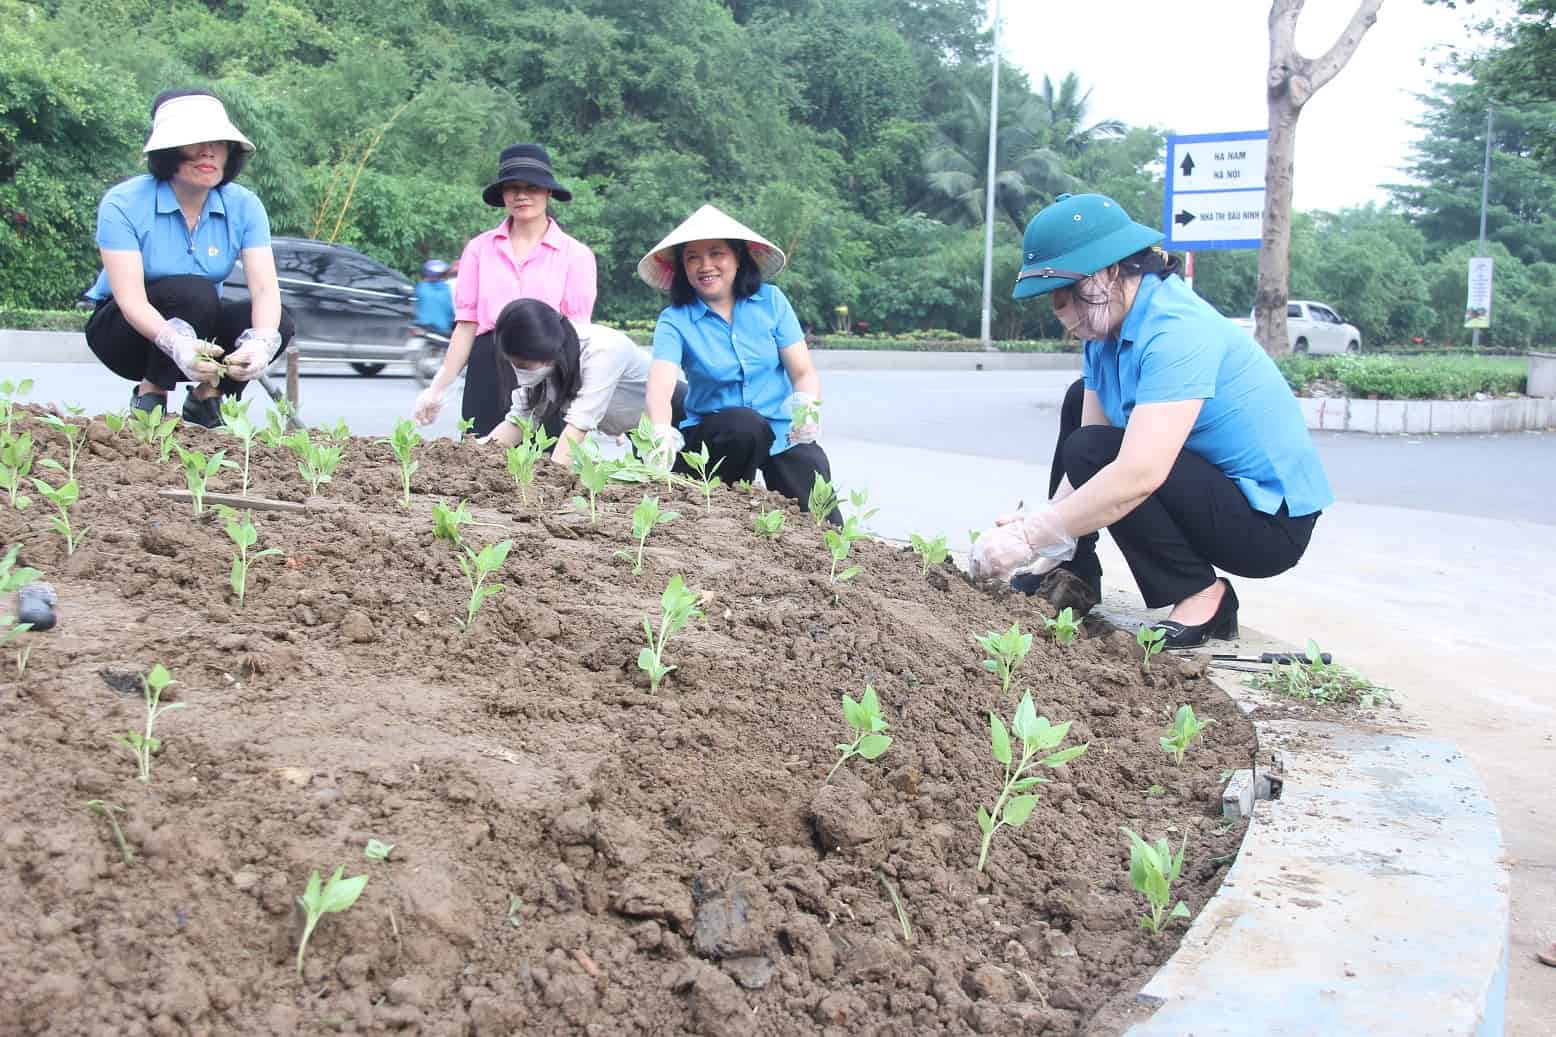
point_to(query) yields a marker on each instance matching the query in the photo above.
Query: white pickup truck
(1312, 327)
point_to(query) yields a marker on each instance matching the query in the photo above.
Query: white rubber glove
(1017, 541)
(429, 403)
(254, 350)
(193, 356)
(811, 430)
(668, 442)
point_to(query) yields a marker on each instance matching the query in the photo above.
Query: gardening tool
(1269, 658)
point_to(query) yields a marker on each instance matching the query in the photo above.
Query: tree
(1292, 80)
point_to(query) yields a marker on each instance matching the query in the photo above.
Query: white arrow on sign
(1217, 216)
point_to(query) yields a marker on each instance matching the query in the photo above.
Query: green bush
(42, 320)
(940, 342)
(1453, 377)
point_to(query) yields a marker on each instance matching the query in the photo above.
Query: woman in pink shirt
(526, 256)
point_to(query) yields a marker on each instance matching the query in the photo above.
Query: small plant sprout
(477, 566)
(447, 522)
(524, 458)
(1150, 640)
(145, 746)
(74, 435)
(377, 850)
(806, 413)
(316, 462)
(404, 441)
(274, 433)
(115, 420)
(515, 905)
(866, 724)
(338, 433)
(1310, 677)
(237, 424)
(821, 502)
(16, 459)
(930, 552)
(110, 811)
(768, 524)
(63, 498)
(198, 472)
(839, 542)
(332, 897)
(644, 518)
(153, 428)
(1152, 871)
(1064, 626)
(706, 480)
(464, 425)
(593, 471)
(972, 536)
(1185, 729)
(859, 500)
(242, 532)
(741, 486)
(1005, 652)
(677, 607)
(10, 393)
(1016, 800)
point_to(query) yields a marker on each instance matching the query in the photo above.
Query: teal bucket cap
(1075, 237)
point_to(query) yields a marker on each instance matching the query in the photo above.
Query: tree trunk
(1291, 81)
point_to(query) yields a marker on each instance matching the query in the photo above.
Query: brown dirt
(664, 850)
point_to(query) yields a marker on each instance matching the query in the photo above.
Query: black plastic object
(35, 604)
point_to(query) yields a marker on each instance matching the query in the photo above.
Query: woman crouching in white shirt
(573, 379)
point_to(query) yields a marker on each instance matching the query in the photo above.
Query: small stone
(987, 983)
(410, 990)
(357, 628)
(753, 973)
(299, 776)
(245, 880)
(839, 1009)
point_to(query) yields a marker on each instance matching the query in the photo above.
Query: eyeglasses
(1048, 271)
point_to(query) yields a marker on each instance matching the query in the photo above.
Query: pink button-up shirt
(559, 271)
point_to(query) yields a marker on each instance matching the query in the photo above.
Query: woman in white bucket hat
(753, 394)
(168, 239)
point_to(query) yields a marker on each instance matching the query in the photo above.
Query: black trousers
(489, 385)
(129, 354)
(1196, 522)
(741, 439)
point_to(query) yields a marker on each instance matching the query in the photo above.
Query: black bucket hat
(526, 163)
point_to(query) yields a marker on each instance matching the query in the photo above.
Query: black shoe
(1222, 625)
(1076, 587)
(206, 413)
(148, 401)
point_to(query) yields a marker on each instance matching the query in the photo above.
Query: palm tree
(1063, 114)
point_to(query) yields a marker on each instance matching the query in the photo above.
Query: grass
(1447, 377)
(43, 320)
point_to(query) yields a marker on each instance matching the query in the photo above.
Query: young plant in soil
(115, 420)
(464, 425)
(316, 462)
(318, 900)
(153, 428)
(593, 471)
(930, 552)
(821, 502)
(806, 413)
(377, 850)
(677, 607)
(274, 433)
(339, 433)
(237, 424)
(145, 746)
(1016, 799)
(524, 459)
(644, 441)
(644, 518)
(447, 523)
(859, 500)
(1064, 626)
(839, 542)
(1312, 679)
(1005, 652)
(198, 472)
(741, 486)
(1150, 640)
(1185, 729)
(242, 532)
(404, 441)
(865, 721)
(707, 481)
(75, 436)
(110, 811)
(1152, 871)
(16, 457)
(12, 580)
(63, 498)
(477, 566)
(10, 393)
(768, 524)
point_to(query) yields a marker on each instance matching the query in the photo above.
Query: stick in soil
(896, 902)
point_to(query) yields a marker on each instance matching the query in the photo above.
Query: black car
(345, 305)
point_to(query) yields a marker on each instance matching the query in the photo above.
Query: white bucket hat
(192, 119)
(657, 269)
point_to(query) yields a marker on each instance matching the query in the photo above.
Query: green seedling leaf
(1152, 871)
(403, 443)
(930, 552)
(822, 501)
(378, 851)
(1064, 626)
(768, 524)
(1151, 641)
(677, 607)
(706, 481)
(244, 535)
(1016, 802)
(1185, 729)
(477, 567)
(144, 745)
(1006, 652)
(332, 897)
(865, 721)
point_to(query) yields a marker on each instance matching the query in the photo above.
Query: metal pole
(1485, 186)
(988, 203)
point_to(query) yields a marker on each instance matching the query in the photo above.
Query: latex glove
(668, 442)
(1017, 541)
(429, 403)
(810, 431)
(254, 350)
(193, 356)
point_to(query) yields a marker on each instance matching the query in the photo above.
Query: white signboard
(1215, 190)
(1477, 310)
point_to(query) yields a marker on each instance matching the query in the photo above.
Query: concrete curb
(1420, 417)
(1370, 898)
(44, 347)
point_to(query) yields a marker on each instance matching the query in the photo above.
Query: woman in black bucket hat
(526, 256)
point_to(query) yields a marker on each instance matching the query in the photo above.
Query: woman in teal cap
(1182, 439)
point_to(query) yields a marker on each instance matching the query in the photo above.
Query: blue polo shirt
(1174, 346)
(142, 215)
(735, 365)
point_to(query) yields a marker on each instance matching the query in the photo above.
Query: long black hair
(533, 331)
(1152, 261)
(164, 162)
(747, 277)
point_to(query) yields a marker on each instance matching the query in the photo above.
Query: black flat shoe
(148, 401)
(206, 412)
(1222, 625)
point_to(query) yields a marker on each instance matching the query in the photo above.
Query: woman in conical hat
(753, 395)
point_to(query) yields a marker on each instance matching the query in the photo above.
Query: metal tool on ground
(1269, 658)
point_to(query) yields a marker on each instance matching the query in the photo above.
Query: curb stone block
(1450, 416)
(1363, 416)
(1332, 414)
(1418, 417)
(1391, 417)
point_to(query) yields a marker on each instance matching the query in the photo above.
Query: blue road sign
(1215, 190)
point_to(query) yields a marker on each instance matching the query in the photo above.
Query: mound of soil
(572, 854)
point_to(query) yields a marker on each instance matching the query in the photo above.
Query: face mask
(1092, 302)
(528, 379)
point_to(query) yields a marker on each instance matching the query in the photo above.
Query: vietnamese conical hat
(657, 269)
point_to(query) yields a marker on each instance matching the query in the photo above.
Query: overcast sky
(1198, 66)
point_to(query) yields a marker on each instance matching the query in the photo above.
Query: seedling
(930, 552)
(477, 566)
(242, 532)
(1152, 871)
(1150, 640)
(807, 413)
(706, 480)
(768, 524)
(153, 428)
(645, 442)
(115, 420)
(377, 851)
(741, 486)
(316, 461)
(276, 421)
(594, 471)
(1313, 679)
(839, 542)
(1005, 652)
(972, 536)
(866, 723)
(515, 905)
(447, 522)
(75, 436)
(145, 746)
(524, 459)
(403, 441)
(63, 498)
(16, 459)
(1185, 729)
(10, 393)
(338, 433)
(464, 425)
(334, 896)
(1016, 800)
(821, 502)
(860, 500)
(677, 606)
(1064, 626)
(644, 518)
(236, 423)
(110, 810)
(198, 471)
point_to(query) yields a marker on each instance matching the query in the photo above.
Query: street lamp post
(1485, 185)
(988, 203)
